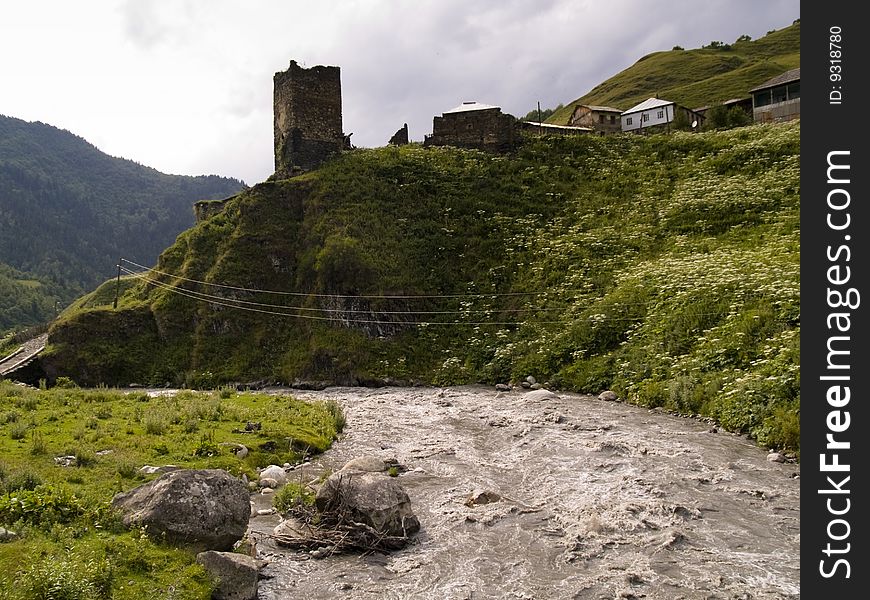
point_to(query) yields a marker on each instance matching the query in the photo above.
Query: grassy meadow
(71, 545)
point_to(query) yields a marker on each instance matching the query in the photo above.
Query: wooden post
(117, 285)
(540, 125)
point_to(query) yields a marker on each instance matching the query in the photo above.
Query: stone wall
(400, 138)
(307, 106)
(488, 129)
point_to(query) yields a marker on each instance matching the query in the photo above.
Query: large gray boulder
(370, 498)
(202, 509)
(236, 574)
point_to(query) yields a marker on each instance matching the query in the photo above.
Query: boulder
(7, 535)
(608, 396)
(370, 498)
(236, 574)
(204, 509)
(274, 472)
(540, 395)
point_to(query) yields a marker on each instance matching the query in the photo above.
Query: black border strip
(834, 300)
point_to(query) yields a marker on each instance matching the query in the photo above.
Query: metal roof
(558, 127)
(647, 105)
(723, 103)
(787, 77)
(470, 106)
(602, 108)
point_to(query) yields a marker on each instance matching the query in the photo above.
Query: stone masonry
(485, 128)
(307, 109)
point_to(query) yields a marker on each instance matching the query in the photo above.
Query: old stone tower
(307, 117)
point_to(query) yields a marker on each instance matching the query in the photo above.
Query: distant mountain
(68, 212)
(700, 77)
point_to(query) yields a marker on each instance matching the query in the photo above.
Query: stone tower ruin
(307, 117)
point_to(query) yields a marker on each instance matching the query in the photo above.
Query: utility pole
(540, 121)
(117, 285)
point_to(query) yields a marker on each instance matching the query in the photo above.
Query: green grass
(71, 538)
(695, 78)
(665, 267)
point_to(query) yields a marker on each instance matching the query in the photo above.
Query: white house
(653, 112)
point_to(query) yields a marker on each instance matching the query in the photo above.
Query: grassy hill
(68, 211)
(698, 77)
(664, 267)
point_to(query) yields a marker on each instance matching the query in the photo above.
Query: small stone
(274, 472)
(540, 395)
(776, 457)
(502, 387)
(531, 380)
(7, 535)
(65, 461)
(478, 497)
(367, 464)
(320, 553)
(267, 490)
(264, 512)
(608, 396)
(713, 430)
(537, 386)
(525, 384)
(103, 452)
(268, 482)
(151, 470)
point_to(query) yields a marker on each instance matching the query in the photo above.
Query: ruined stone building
(474, 125)
(307, 109)
(400, 138)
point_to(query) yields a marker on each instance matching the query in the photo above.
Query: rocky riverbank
(525, 495)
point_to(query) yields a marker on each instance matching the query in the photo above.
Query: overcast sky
(185, 86)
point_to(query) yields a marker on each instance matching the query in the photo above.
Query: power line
(194, 296)
(204, 296)
(366, 296)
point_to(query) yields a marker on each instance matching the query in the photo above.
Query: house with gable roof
(655, 114)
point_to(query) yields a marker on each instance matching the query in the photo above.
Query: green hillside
(699, 77)
(664, 267)
(68, 211)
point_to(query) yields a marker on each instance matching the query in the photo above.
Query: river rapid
(599, 500)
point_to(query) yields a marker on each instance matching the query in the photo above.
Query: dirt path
(601, 500)
(29, 350)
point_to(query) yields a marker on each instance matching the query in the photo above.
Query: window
(794, 90)
(761, 98)
(601, 118)
(628, 121)
(779, 94)
(661, 114)
(612, 119)
(645, 117)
